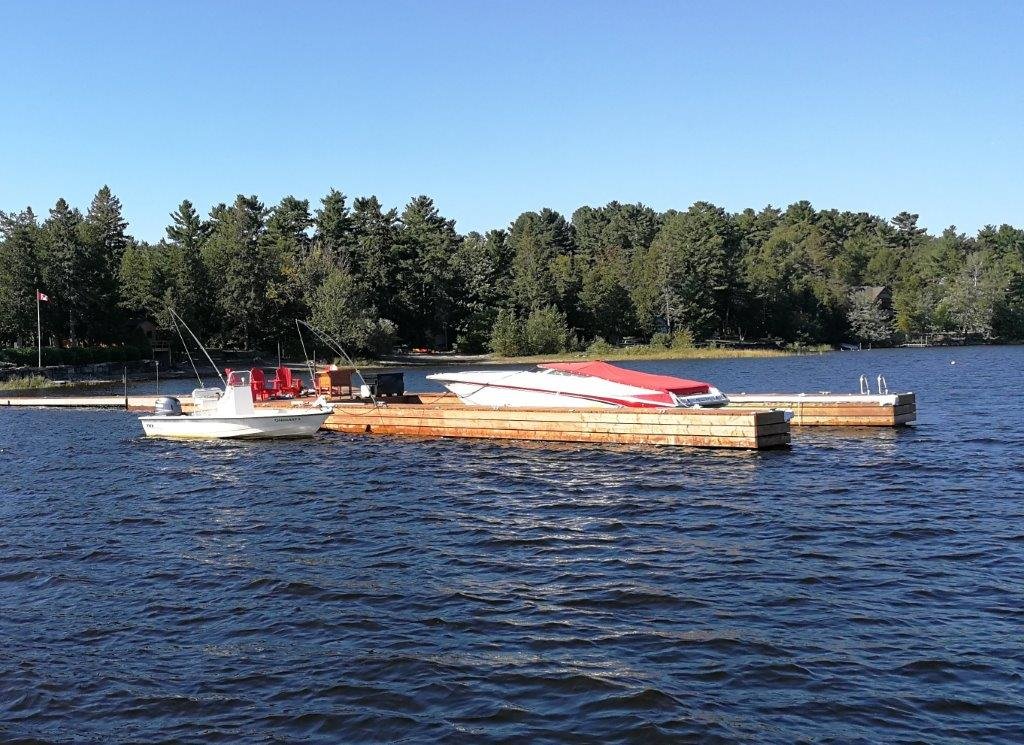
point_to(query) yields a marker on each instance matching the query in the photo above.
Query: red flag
(41, 296)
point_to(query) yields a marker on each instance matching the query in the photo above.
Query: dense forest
(376, 276)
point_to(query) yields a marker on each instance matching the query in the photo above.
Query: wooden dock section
(135, 403)
(751, 421)
(836, 410)
(712, 428)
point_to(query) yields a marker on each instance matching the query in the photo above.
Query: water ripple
(865, 586)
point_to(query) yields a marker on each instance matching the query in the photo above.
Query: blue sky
(493, 108)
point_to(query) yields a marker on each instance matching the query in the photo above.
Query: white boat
(230, 413)
(578, 385)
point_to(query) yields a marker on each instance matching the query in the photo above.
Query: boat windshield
(239, 378)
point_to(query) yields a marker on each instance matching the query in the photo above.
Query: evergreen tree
(606, 303)
(1008, 317)
(537, 239)
(335, 228)
(428, 310)
(770, 271)
(376, 255)
(546, 331)
(532, 286)
(64, 265)
(589, 226)
(507, 337)
(907, 234)
(288, 250)
(974, 294)
(870, 323)
(144, 277)
(189, 286)
(236, 247)
(482, 264)
(103, 234)
(340, 308)
(242, 275)
(691, 252)
(19, 276)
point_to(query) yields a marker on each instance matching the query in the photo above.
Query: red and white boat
(578, 385)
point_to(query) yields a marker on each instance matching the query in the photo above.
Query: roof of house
(870, 293)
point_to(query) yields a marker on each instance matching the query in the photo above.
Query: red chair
(284, 385)
(259, 385)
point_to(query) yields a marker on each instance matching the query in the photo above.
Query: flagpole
(39, 330)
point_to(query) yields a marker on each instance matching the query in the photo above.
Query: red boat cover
(597, 369)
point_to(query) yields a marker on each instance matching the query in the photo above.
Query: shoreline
(624, 354)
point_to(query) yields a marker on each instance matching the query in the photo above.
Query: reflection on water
(865, 585)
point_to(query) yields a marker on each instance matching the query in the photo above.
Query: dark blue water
(864, 586)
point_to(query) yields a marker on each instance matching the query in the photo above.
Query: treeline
(375, 276)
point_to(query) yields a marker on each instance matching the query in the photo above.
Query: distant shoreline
(623, 354)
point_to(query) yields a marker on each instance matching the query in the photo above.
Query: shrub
(380, 336)
(507, 335)
(661, 339)
(599, 346)
(546, 331)
(474, 335)
(682, 339)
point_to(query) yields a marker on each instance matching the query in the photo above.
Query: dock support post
(124, 378)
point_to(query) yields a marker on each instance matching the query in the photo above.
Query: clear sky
(493, 108)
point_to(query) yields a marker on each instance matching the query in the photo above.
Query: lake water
(863, 586)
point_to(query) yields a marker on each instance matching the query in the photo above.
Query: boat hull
(476, 394)
(527, 389)
(262, 425)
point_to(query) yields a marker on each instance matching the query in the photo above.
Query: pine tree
(335, 231)
(19, 276)
(143, 280)
(376, 255)
(189, 292)
(692, 249)
(907, 234)
(103, 234)
(507, 335)
(236, 243)
(64, 264)
(1008, 316)
(537, 239)
(427, 308)
(288, 249)
(482, 265)
(606, 303)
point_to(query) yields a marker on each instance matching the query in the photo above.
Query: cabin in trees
(880, 296)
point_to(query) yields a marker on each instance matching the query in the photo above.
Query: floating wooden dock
(134, 403)
(751, 421)
(715, 428)
(836, 410)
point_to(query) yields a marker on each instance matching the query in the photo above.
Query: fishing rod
(335, 345)
(179, 319)
(305, 355)
(188, 353)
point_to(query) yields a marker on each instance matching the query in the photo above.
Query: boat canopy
(598, 369)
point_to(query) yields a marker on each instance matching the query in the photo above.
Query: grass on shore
(606, 353)
(659, 352)
(26, 382)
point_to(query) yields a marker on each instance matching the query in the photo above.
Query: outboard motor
(167, 406)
